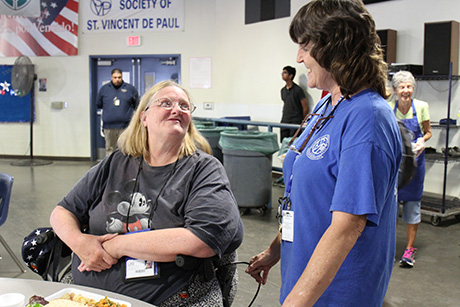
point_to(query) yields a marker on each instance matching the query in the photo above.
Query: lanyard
(322, 120)
(136, 189)
(284, 203)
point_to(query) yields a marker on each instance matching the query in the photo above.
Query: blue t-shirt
(349, 165)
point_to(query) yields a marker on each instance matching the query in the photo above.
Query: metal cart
(432, 205)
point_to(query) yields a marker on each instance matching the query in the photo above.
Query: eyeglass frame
(191, 110)
(317, 126)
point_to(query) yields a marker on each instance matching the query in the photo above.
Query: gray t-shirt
(196, 196)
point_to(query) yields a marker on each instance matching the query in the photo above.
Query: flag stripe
(66, 47)
(30, 39)
(50, 48)
(72, 5)
(70, 15)
(54, 33)
(5, 45)
(18, 43)
(69, 25)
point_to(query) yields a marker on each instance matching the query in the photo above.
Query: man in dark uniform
(118, 100)
(295, 103)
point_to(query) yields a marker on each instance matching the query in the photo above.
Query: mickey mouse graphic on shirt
(119, 221)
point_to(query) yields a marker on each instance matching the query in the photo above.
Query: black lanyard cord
(322, 120)
(136, 189)
(155, 204)
(307, 118)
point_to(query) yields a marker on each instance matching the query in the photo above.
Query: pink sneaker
(408, 258)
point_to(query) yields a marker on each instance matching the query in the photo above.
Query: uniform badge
(317, 150)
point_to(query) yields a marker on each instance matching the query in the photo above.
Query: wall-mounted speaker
(441, 48)
(388, 44)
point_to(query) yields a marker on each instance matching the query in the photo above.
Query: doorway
(141, 71)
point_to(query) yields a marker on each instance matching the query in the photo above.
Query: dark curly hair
(344, 42)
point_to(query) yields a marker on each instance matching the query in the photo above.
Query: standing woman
(337, 241)
(415, 116)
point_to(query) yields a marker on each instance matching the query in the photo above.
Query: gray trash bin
(212, 134)
(248, 163)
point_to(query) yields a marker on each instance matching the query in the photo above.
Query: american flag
(54, 33)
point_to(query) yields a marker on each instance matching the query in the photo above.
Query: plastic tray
(84, 293)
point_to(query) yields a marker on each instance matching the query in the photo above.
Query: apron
(414, 189)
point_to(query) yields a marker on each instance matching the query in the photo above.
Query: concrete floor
(434, 280)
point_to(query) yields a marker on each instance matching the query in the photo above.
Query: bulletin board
(12, 108)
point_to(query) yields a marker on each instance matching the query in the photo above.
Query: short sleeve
(212, 213)
(425, 112)
(86, 192)
(363, 178)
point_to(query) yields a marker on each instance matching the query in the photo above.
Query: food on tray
(61, 302)
(105, 302)
(78, 298)
(72, 300)
(37, 301)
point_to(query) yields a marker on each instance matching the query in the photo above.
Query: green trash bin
(199, 126)
(203, 123)
(212, 134)
(247, 157)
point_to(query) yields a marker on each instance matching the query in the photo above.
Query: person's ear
(143, 118)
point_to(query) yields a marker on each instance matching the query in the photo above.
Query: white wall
(246, 69)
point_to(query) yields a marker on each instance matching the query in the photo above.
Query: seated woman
(156, 197)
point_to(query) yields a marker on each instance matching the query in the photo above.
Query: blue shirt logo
(318, 148)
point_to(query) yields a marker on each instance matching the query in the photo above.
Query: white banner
(101, 16)
(26, 8)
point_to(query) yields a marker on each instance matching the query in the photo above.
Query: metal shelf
(440, 208)
(440, 158)
(438, 126)
(435, 77)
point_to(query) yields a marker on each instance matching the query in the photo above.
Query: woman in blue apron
(415, 116)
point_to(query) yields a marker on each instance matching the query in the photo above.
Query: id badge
(288, 225)
(116, 101)
(136, 269)
(140, 269)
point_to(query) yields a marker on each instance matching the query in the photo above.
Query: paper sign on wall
(200, 72)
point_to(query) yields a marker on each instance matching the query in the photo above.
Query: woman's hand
(262, 262)
(92, 254)
(419, 146)
(87, 247)
(112, 247)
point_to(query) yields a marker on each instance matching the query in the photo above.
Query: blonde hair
(134, 140)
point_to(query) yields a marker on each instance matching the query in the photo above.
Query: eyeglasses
(322, 120)
(168, 104)
(317, 126)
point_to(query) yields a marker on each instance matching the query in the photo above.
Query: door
(142, 71)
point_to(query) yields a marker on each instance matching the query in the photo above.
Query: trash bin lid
(215, 131)
(204, 123)
(263, 142)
